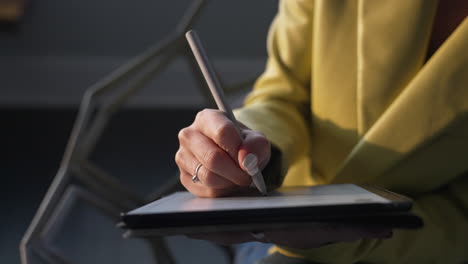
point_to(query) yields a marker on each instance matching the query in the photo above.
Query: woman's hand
(213, 141)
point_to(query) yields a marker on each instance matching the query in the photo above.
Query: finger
(186, 161)
(212, 157)
(215, 125)
(257, 144)
(200, 190)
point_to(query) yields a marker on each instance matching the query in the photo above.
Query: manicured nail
(251, 164)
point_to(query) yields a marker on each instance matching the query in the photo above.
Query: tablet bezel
(276, 216)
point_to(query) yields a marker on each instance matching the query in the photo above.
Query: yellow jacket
(348, 97)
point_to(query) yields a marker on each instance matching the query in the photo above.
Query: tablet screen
(334, 194)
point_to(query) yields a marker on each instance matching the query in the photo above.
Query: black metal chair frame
(78, 177)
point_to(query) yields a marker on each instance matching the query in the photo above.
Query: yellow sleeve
(442, 240)
(279, 106)
(279, 103)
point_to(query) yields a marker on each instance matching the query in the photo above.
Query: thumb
(254, 152)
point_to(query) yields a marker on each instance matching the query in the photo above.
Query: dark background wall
(60, 48)
(123, 28)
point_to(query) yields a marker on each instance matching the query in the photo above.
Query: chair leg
(161, 251)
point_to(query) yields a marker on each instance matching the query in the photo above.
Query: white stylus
(251, 162)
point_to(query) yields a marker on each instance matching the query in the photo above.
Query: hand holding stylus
(213, 141)
(219, 156)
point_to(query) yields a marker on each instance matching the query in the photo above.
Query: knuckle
(198, 116)
(183, 134)
(213, 157)
(226, 136)
(208, 178)
(223, 131)
(203, 114)
(178, 158)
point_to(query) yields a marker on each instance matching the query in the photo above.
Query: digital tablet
(183, 213)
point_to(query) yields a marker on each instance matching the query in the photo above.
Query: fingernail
(251, 164)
